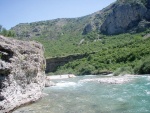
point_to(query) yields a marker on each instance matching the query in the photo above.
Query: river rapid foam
(74, 95)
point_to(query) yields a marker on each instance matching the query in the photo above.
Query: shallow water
(73, 96)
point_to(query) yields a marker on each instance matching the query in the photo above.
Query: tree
(0, 28)
(5, 32)
(143, 67)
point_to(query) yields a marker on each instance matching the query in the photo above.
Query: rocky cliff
(127, 16)
(22, 75)
(53, 63)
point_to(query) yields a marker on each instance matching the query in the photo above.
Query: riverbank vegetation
(107, 54)
(124, 53)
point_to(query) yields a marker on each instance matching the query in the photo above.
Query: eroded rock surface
(22, 75)
(127, 16)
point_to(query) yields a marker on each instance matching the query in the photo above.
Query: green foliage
(4, 32)
(86, 69)
(124, 50)
(92, 36)
(143, 66)
(1, 28)
(7, 33)
(123, 71)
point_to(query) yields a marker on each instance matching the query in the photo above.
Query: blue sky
(14, 12)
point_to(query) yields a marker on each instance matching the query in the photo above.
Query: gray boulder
(22, 75)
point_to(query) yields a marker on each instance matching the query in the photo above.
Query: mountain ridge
(76, 25)
(119, 17)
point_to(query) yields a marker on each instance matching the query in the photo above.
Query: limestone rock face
(88, 28)
(22, 75)
(124, 17)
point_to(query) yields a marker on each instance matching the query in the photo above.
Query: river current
(73, 96)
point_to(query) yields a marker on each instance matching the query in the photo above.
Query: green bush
(86, 70)
(123, 71)
(7, 33)
(143, 67)
(123, 50)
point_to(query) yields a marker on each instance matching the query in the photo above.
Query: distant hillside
(54, 29)
(119, 17)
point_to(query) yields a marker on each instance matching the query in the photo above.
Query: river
(73, 96)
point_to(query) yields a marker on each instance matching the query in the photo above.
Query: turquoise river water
(73, 96)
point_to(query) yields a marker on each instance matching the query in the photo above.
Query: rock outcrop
(127, 16)
(53, 63)
(22, 75)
